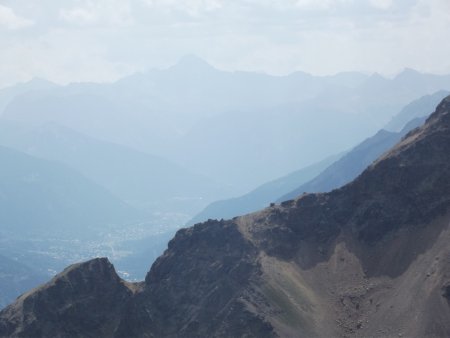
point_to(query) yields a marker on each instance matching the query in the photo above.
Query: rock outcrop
(85, 300)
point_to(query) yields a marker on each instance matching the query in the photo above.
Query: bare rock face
(222, 263)
(370, 259)
(82, 301)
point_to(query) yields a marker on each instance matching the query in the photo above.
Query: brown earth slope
(371, 259)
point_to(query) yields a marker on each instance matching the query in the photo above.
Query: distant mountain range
(10, 93)
(44, 198)
(417, 108)
(353, 163)
(329, 174)
(367, 260)
(205, 119)
(147, 182)
(262, 196)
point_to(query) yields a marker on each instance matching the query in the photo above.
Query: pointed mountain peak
(192, 62)
(79, 300)
(375, 79)
(79, 275)
(95, 267)
(38, 82)
(192, 59)
(408, 73)
(376, 76)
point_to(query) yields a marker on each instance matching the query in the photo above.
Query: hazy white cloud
(113, 12)
(102, 40)
(191, 7)
(61, 57)
(382, 4)
(9, 19)
(316, 4)
(78, 15)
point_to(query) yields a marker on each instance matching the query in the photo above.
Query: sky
(103, 40)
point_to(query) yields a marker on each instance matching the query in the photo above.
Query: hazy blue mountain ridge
(204, 118)
(260, 197)
(40, 197)
(418, 108)
(354, 162)
(145, 181)
(326, 175)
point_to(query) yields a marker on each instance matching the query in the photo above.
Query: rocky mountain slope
(368, 260)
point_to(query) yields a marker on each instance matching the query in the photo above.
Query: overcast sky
(102, 40)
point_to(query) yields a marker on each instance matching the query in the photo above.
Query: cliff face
(369, 259)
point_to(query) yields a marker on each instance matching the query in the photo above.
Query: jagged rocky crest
(368, 259)
(88, 294)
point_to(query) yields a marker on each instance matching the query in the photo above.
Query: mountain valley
(368, 259)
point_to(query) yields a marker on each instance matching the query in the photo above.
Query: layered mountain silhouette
(368, 259)
(262, 196)
(353, 163)
(292, 135)
(329, 174)
(204, 119)
(416, 109)
(44, 198)
(145, 181)
(35, 85)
